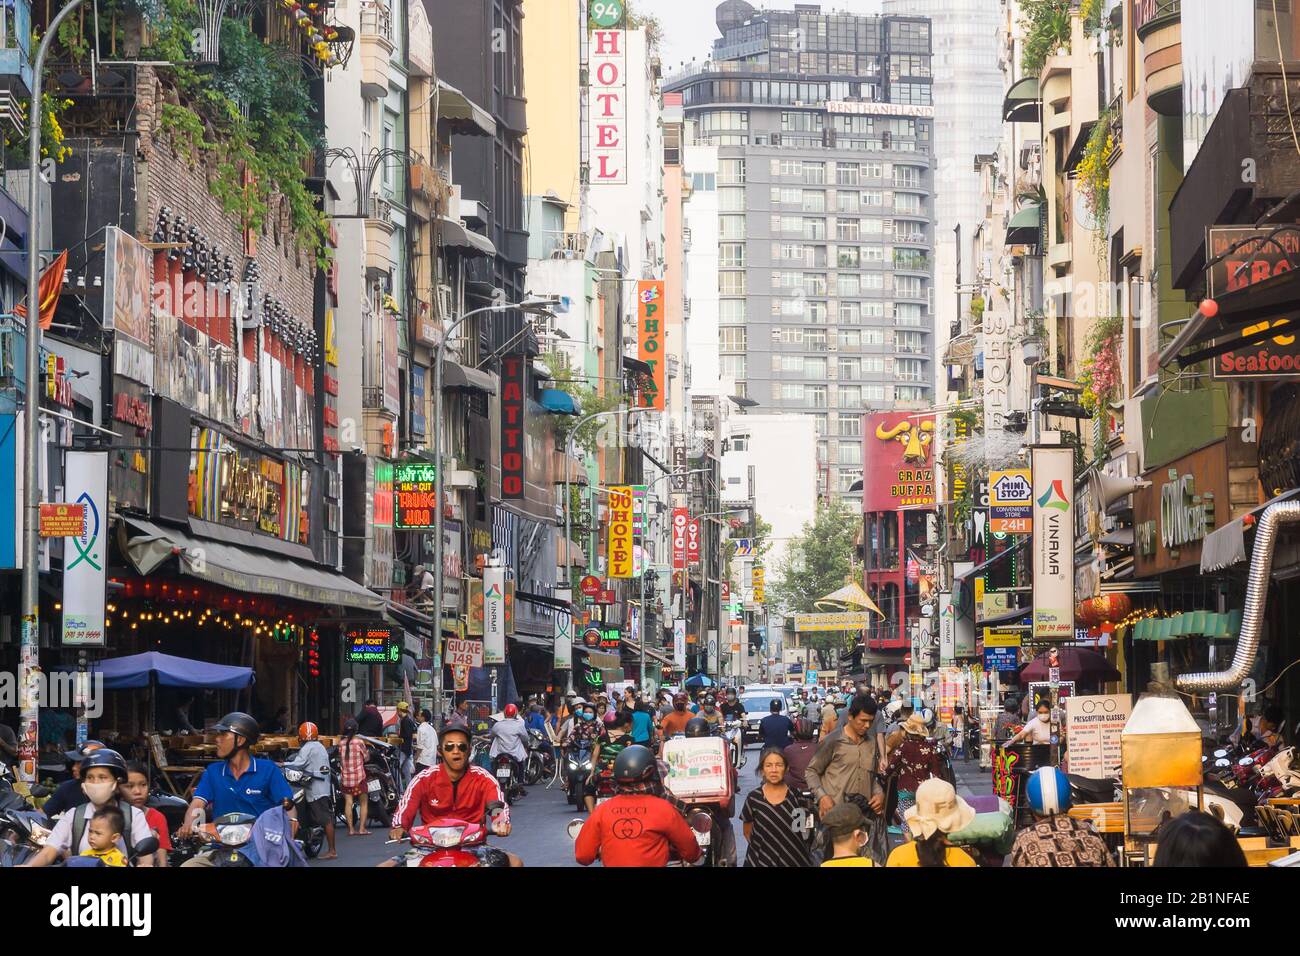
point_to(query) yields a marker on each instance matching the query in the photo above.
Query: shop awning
(458, 237)
(559, 402)
(1248, 316)
(243, 569)
(462, 114)
(533, 640)
(138, 670)
(455, 375)
(409, 617)
(1022, 103)
(1226, 546)
(631, 364)
(1023, 229)
(574, 554)
(1190, 623)
(1005, 618)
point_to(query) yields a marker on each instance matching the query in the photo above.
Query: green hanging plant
(1046, 26)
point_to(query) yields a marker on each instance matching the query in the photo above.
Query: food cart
(1160, 747)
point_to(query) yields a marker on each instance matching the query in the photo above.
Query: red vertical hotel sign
(512, 426)
(681, 518)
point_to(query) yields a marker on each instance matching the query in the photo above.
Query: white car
(758, 704)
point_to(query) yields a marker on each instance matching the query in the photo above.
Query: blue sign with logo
(418, 392)
(1001, 658)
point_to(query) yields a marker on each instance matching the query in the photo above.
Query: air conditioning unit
(444, 301)
(832, 346)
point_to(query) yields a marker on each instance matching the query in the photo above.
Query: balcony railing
(376, 20)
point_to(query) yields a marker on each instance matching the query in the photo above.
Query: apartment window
(731, 255)
(909, 287)
(873, 253)
(815, 340)
(850, 396)
(848, 425)
(703, 182)
(714, 121)
(850, 338)
(872, 227)
(814, 366)
(875, 170)
(873, 197)
(789, 336)
(873, 281)
(849, 258)
(873, 364)
(731, 172)
(786, 196)
(787, 363)
(732, 366)
(791, 308)
(909, 393)
(819, 423)
(731, 338)
(731, 199)
(737, 443)
(847, 479)
(907, 177)
(814, 228)
(788, 391)
(907, 313)
(814, 200)
(816, 312)
(731, 310)
(731, 283)
(850, 313)
(913, 342)
(815, 395)
(850, 368)
(847, 202)
(787, 167)
(789, 251)
(907, 203)
(876, 393)
(731, 227)
(801, 122)
(847, 174)
(848, 284)
(909, 370)
(850, 453)
(814, 283)
(823, 452)
(873, 310)
(814, 174)
(847, 230)
(873, 336)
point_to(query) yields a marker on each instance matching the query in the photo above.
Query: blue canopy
(698, 680)
(559, 402)
(123, 673)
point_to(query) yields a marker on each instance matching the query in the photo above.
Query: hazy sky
(689, 27)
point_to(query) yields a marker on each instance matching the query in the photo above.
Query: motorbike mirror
(493, 806)
(701, 822)
(146, 847)
(574, 828)
(1221, 753)
(1223, 762)
(1245, 761)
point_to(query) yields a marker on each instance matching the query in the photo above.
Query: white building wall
(700, 219)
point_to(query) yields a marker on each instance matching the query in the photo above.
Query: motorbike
(577, 769)
(311, 836)
(701, 825)
(23, 833)
(503, 768)
(383, 764)
(451, 842)
(541, 758)
(733, 731)
(223, 837)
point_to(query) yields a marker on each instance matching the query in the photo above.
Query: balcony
(379, 247)
(376, 50)
(564, 245)
(1161, 36)
(514, 247)
(15, 59)
(514, 115)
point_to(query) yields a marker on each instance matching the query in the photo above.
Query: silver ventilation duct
(1261, 569)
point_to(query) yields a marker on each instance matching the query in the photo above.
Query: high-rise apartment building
(823, 123)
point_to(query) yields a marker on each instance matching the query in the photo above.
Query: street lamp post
(528, 305)
(29, 703)
(722, 612)
(644, 615)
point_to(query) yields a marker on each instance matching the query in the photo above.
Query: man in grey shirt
(846, 761)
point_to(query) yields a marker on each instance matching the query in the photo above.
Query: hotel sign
(607, 145)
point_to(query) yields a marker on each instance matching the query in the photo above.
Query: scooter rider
(733, 709)
(634, 827)
(313, 759)
(709, 711)
(237, 783)
(726, 837)
(510, 737)
(454, 788)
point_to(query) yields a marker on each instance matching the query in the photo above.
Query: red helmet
(611, 718)
(512, 710)
(680, 698)
(307, 731)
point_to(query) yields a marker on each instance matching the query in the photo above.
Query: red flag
(48, 290)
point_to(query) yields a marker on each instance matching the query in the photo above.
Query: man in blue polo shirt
(238, 782)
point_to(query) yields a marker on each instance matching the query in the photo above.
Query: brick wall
(168, 178)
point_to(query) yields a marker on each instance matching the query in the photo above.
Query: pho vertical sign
(650, 332)
(86, 556)
(1053, 516)
(513, 470)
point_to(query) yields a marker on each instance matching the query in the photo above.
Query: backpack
(79, 816)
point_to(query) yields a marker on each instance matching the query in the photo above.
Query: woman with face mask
(101, 772)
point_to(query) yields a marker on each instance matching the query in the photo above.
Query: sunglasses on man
(452, 748)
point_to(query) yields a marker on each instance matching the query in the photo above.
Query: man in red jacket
(635, 828)
(454, 788)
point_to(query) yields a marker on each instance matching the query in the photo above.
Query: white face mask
(99, 793)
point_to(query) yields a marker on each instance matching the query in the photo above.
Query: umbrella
(698, 680)
(1077, 664)
(124, 673)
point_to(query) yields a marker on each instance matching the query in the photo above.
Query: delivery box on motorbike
(698, 768)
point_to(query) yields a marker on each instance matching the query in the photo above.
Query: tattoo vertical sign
(513, 474)
(650, 332)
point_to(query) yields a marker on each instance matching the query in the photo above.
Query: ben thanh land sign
(832, 621)
(414, 495)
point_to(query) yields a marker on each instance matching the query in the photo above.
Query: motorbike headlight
(446, 836)
(235, 834)
(293, 776)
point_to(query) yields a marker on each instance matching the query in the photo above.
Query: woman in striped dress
(777, 820)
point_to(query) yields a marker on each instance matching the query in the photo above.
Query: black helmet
(105, 758)
(698, 727)
(634, 765)
(350, 727)
(239, 723)
(803, 729)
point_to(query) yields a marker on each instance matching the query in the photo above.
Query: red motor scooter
(451, 842)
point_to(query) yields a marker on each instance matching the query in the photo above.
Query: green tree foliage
(819, 561)
(1046, 24)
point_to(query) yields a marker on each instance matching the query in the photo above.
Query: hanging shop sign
(832, 621)
(1262, 255)
(372, 644)
(620, 532)
(681, 518)
(590, 585)
(1173, 516)
(757, 577)
(513, 441)
(606, 13)
(85, 555)
(679, 643)
(61, 520)
(563, 641)
(899, 462)
(1001, 658)
(693, 541)
(464, 653)
(128, 285)
(474, 625)
(1053, 544)
(235, 486)
(419, 388)
(1093, 725)
(607, 78)
(1011, 505)
(414, 495)
(650, 334)
(494, 615)
(11, 490)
